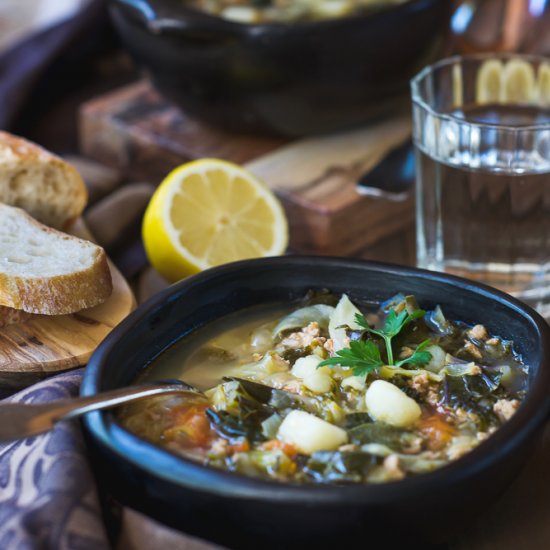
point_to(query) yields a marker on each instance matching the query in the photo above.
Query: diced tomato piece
(287, 448)
(437, 431)
(191, 421)
(242, 446)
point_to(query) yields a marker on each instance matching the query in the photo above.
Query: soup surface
(325, 393)
(284, 11)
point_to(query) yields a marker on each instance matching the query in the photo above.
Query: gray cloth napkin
(48, 498)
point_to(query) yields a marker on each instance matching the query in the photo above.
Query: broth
(199, 360)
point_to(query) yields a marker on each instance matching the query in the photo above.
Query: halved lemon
(518, 81)
(489, 82)
(210, 212)
(510, 82)
(543, 84)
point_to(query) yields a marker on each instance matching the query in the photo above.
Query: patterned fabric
(47, 494)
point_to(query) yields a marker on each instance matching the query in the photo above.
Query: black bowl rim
(187, 474)
(166, 13)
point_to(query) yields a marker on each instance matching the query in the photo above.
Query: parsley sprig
(393, 325)
(419, 357)
(364, 357)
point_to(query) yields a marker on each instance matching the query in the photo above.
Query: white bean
(307, 366)
(310, 434)
(387, 403)
(318, 382)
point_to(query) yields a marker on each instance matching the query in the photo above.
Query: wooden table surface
(520, 520)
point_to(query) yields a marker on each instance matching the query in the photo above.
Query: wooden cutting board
(143, 136)
(45, 345)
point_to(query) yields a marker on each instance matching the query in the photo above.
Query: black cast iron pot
(289, 79)
(242, 512)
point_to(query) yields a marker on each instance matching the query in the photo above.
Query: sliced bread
(47, 187)
(45, 271)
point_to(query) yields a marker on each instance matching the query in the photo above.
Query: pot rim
(185, 473)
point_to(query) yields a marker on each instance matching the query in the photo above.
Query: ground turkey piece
(420, 383)
(472, 349)
(479, 332)
(329, 346)
(294, 386)
(505, 408)
(428, 392)
(305, 338)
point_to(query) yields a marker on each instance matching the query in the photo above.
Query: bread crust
(58, 295)
(42, 183)
(61, 294)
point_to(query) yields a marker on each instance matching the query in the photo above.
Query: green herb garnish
(364, 357)
(419, 357)
(393, 325)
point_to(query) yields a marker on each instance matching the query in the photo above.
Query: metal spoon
(20, 420)
(393, 177)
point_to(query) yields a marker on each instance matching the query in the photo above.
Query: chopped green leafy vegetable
(302, 317)
(325, 466)
(356, 419)
(396, 439)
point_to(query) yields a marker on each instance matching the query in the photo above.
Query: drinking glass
(481, 129)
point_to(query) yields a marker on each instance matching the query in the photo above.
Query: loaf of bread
(45, 271)
(44, 185)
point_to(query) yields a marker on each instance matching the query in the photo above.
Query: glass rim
(416, 96)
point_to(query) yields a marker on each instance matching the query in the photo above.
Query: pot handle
(161, 18)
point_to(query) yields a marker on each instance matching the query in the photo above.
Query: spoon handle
(19, 420)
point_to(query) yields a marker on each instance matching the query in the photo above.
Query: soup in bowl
(252, 72)
(288, 11)
(324, 420)
(327, 394)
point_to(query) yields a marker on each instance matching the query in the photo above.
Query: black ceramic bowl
(289, 79)
(244, 512)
